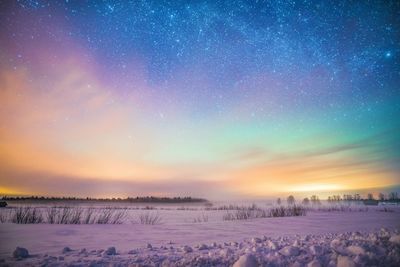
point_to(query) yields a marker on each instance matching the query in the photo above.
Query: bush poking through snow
(201, 218)
(88, 217)
(119, 216)
(111, 216)
(64, 215)
(26, 215)
(4, 215)
(339, 208)
(252, 213)
(290, 211)
(150, 218)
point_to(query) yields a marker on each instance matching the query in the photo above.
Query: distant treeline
(370, 199)
(391, 197)
(148, 199)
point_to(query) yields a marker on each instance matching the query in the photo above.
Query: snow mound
(290, 251)
(247, 260)
(345, 261)
(395, 239)
(356, 250)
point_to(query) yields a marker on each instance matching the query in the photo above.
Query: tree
(278, 201)
(381, 197)
(370, 196)
(393, 196)
(315, 200)
(290, 200)
(348, 197)
(306, 201)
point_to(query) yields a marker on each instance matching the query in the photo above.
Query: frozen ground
(215, 242)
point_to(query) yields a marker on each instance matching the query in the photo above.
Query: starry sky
(217, 99)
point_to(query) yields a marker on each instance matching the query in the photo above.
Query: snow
(290, 251)
(315, 250)
(356, 250)
(187, 249)
(345, 261)
(395, 239)
(317, 239)
(239, 256)
(247, 260)
(314, 263)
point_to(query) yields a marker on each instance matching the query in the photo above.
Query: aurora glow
(206, 98)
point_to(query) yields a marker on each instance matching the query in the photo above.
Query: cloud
(358, 164)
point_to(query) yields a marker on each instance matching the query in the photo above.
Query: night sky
(207, 98)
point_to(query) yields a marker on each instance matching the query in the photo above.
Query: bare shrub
(341, 208)
(64, 215)
(234, 207)
(261, 213)
(228, 217)
(26, 215)
(185, 208)
(295, 210)
(51, 215)
(111, 216)
(4, 216)
(88, 217)
(250, 213)
(150, 218)
(148, 208)
(201, 218)
(277, 212)
(104, 217)
(243, 214)
(385, 209)
(75, 216)
(118, 216)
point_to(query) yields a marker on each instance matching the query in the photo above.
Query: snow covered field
(321, 238)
